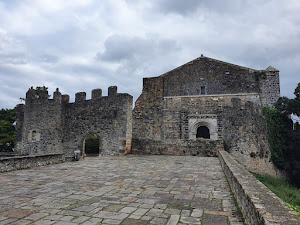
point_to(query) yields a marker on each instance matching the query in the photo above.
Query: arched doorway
(203, 132)
(91, 145)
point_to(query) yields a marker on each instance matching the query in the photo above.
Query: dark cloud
(137, 57)
(140, 56)
(117, 49)
(189, 7)
(178, 6)
(124, 48)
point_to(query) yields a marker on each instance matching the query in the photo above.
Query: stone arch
(83, 145)
(213, 130)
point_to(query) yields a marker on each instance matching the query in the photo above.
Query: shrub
(276, 136)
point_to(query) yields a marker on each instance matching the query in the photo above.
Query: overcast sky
(80, 45)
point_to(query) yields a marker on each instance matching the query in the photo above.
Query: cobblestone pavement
(128, 190)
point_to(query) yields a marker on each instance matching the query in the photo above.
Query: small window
(34, 135)
(202, 90)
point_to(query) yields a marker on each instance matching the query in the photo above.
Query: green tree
(276, 136)
(7, 129)
(297, 92)
(282, 104)
(284, 141)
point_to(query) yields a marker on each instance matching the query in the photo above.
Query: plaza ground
(128, 190)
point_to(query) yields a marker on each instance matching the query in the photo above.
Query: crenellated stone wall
(47, 126)
(107, 117)
(40, 129)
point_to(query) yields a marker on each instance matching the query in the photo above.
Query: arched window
(203, 132)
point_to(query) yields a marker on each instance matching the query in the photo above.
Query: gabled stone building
(205, 105)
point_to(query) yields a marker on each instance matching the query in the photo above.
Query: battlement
(20, 108)
(41, 94)
(38, 94)
(80, 96)
(65, 99)
(97, 94)
(112, 91)
(57, 96)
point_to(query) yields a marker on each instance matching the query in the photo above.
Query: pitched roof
(209, 59)
(270, 68)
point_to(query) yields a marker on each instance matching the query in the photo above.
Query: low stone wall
(202, 147)
(258, 204)
(25, 162)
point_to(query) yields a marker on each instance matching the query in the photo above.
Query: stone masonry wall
(201, 148)
(269, 86)
(257, 203)
(147, 113)
(19, 127)
(107, 117)
(47, 126)
(218, 78)
(174, 112)
(26, 162)
(41, 126)
(245, 137)
(172, 105)
(239, 121)
(177, 110)
(221, 78)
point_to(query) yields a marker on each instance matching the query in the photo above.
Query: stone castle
(196, 109)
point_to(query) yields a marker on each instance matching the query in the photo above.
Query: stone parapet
(25, 162)
(201, 147)
(257, 203)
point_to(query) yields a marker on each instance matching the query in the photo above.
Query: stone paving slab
(124, 190)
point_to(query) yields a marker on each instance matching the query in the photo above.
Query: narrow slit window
(34, 135)
(202, 90)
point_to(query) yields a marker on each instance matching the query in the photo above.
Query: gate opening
(91, 145)
(203, 132)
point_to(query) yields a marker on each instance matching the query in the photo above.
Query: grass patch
(288, 193)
